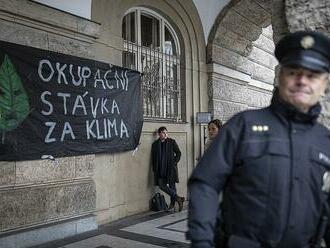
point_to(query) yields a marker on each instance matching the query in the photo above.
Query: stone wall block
(257, 98)
(69, 46)
(105, 177)
(9, 5)
(263, 73)
(231, 59)
(263, 58)
(36, 12)
(72, 200)
(46, 14)
(279, 23)
(85, 165)
(264, 43)
(252, 11)
(37, 171)
(265, 4)
(268, 32)
(22, 35)
(232, 41)
(7, 173)
(88, 27)
(225, 110)
(241, 26)
(28, 206)
(228, 90)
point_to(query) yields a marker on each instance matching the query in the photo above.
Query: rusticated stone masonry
(241, 51)
(243, 41)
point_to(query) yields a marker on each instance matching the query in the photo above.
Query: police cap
(307, 49)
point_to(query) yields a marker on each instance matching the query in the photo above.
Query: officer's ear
(327, 89)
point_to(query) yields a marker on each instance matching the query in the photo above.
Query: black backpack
(158, 203)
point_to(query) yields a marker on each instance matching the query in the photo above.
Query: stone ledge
(42, 14)
(218, 70)
(50, 232)
(27, 35)
(45, 27)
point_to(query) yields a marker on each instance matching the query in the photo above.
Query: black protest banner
(54, 105)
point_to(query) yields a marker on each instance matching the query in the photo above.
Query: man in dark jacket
(271, 164)
(165, 155)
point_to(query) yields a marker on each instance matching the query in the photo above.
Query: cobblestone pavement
(148, 230)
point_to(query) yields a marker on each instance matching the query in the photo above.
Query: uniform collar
(292, 113)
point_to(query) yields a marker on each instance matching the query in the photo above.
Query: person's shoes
(180, 201)
(171, 205)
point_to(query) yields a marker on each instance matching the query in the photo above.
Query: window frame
(133, 47)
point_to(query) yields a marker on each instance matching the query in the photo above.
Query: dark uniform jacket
(270, 164)
(172, 157)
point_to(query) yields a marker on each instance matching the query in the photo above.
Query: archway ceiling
(242, 39)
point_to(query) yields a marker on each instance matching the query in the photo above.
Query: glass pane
(169, 43)
(151, 81)
(172, 91)
(128, 27)
(161, 87)
(150, 32)
(129, 60)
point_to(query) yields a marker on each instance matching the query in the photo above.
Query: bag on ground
(158, 203)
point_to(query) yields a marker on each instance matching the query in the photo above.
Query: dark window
(153, 49)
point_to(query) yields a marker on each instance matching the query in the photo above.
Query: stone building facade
(232, 70)
(240, 58)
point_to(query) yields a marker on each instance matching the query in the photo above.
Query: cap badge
(307, 42)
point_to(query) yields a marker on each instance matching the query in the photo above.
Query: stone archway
(240, 58)
(241, 65)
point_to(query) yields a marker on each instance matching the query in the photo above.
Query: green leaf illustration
(14, 104)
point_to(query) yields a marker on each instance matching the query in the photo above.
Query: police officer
(271, 163)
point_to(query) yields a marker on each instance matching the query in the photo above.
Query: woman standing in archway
(213, 128)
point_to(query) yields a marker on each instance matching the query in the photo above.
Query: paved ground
(148, 230)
